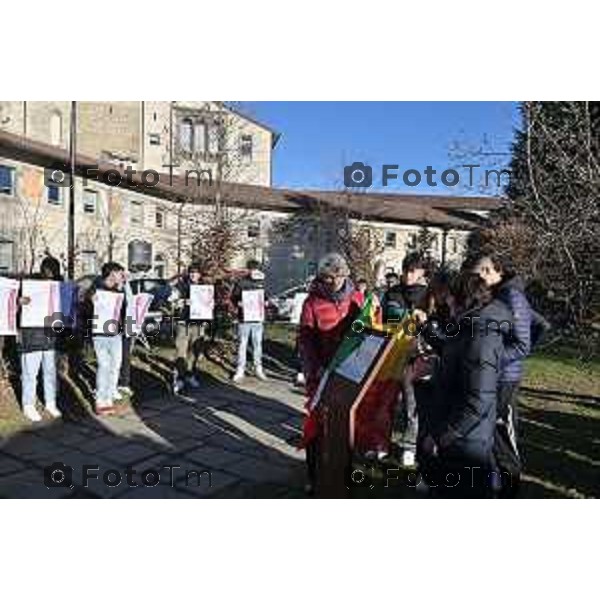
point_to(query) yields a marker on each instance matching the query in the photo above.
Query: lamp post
(71, 213)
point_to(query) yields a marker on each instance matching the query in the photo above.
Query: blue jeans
(30, 367)
(109, 354)
(245, 330)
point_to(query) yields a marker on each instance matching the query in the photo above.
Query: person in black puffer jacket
(38, 349)
(459, 450)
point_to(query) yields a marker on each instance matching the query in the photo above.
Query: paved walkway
(221, 441)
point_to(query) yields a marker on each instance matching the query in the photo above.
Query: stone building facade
(111, 220)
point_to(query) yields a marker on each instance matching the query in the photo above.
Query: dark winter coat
(512, 293)
(466, 382)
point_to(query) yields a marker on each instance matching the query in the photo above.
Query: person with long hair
(38, 350)
(459, 448)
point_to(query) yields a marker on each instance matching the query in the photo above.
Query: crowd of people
(39, 349)
(457, 403)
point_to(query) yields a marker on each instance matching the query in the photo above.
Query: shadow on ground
(217, 441)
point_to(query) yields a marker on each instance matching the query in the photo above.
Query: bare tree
(211, 229)
(550, 227)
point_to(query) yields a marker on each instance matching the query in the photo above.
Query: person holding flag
(327, 314)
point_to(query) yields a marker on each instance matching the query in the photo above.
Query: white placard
(253, 305)
(44, 301)
(107, 307)
(202, 302)
(9, 292)
(296, 313)
(137, 310)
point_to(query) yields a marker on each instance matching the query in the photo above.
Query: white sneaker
(117, 397)
(239, 375)
(260, 374)
(178, 385)
(376, 454)
(408, 458)
(125, 391)
(53, 411)
(193, 382)
(31, 413)
(300, 379)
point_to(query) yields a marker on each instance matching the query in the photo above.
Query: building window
(89, 201)
(412, 241)
(160, 218)
(390, 239)
(56, 129)
(6, 256)
(54, 195)
(454, 245)
(136, 216)
(246, 147)
(160, 266)
(89, 262)
(200, 137)
(186, 135)
(214, 139)
(6, 180)
(154, 139)
(254, 230)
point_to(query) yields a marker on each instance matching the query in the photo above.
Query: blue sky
(319, 138)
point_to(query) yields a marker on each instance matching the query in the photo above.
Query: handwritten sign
(202, 302)
(137, 311)
(298, 302)
(107, 311)
(44, 301)
(253, 305)
(9, 291)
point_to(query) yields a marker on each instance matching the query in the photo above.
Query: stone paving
(221, 441)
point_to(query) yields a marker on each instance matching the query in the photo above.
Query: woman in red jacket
(328, 311)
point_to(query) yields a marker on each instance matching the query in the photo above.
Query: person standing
(410, 295)
(124, 385)
(249, 326)
(108, 337)
(189, 333)
(327, 314)
(459, 447)
(38, 349)
(508, 288)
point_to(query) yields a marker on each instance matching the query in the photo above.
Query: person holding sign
(327, 314)
(37, 347)
(108, 319)
(249, 296)
(193, 298)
